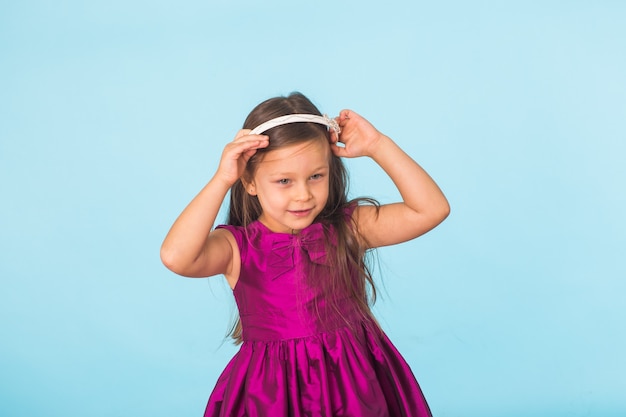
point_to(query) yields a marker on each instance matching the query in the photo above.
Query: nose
(302, 192)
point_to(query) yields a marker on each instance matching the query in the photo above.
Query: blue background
(114, 114)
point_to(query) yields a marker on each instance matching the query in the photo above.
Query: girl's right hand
(237, 153)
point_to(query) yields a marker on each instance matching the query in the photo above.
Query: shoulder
(254, 229)
(360, 214)
(234, 232)
(243, 236)
(361, 208)
(234, 238)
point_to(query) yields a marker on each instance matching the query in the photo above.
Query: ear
(249, 187)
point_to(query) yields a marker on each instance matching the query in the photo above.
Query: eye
(316, 176)
(283, 181)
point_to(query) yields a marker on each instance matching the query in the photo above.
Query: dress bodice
(280, 293)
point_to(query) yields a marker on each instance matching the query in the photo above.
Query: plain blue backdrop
(114, 114)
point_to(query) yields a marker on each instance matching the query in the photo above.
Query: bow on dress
(283, 246)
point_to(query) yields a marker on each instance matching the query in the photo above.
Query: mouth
(301, 213)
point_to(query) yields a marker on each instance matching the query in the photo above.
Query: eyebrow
(320, 168)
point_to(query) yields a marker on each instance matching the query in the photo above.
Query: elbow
(169, 259)
(445, 210)
(166, 257)
(439, 213)
(179, 264)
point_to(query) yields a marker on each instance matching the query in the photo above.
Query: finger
(250, 142)
(339, 150)
(344, 116)
(248, 154)
(237, 148)
(241, 133)
(254, 146)
(334, 138)
(244, 134)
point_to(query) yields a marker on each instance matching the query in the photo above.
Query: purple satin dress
(300, 357)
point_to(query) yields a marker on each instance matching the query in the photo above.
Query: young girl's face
(291, 184)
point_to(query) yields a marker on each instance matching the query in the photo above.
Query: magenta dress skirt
(299, 357)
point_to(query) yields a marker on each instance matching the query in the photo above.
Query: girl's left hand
(357, 135)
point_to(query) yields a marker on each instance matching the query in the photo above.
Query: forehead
(311, 154)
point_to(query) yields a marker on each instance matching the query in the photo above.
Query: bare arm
(423, 207)
(191, 248)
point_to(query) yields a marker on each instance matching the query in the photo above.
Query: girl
(293, 253)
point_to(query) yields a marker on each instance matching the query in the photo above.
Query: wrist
(222, 182)
(378, 145)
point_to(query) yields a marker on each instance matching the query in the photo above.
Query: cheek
(328, 194)
(273, 197)
(324, 190)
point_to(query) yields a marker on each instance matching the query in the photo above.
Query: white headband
(295, 118)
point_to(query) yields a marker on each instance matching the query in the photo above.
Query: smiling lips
(300, 213)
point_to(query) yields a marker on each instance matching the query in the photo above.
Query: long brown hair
(349, 255)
